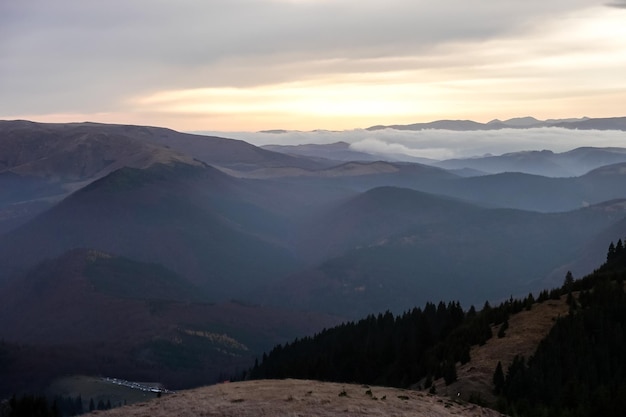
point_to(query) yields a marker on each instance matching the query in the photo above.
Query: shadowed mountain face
(186, 217)
(532, 192)
(395, 248)
(521, 191)
(96, 312)
(88, 295)
(505, 190)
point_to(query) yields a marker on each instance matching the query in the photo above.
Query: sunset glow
(549, 66)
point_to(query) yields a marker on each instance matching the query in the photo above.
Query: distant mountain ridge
(339, 151)
(608, 123)
(547, 163)
(575, 162)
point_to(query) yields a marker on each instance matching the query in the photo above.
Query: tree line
(415, 347)
(59, 406)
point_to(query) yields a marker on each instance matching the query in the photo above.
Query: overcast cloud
(278, 63)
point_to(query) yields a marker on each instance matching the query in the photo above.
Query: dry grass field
(301, 398)
(526, 330)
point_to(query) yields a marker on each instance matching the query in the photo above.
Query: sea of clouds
(441, 144)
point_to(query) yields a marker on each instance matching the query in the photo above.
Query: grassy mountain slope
(233, 154)
(525, 331)
(42, 163)
(73, 152)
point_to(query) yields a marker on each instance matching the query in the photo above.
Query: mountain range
(154, 247)
(609, 123)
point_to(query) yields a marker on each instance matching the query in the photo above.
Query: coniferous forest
(421, 344)
(579, 369)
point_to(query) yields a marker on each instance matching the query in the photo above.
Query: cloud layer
(228, 64)
(445, 144)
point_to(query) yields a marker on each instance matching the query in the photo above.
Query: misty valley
(146, 254)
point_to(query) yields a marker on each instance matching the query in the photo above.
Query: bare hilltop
(302, 398)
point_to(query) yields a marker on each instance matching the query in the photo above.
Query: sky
(249, 65)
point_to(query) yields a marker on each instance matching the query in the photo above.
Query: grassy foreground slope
(303, 398)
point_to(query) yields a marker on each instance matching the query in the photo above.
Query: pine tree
(503, 329)
(498, 379)
(78, 405)
(611, 253)
(569, 281)
(449, 372)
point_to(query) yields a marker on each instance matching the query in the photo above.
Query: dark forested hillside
(393, 248)
(390, 350)
(89, 312)
(578, 369)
